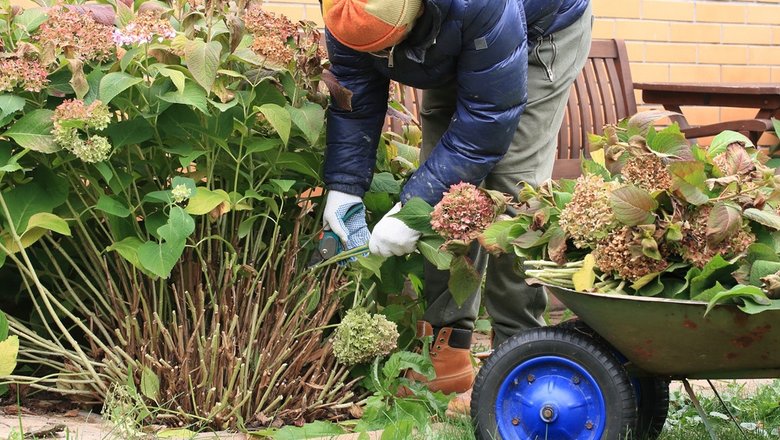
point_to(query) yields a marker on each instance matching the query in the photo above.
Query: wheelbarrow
(606, 375)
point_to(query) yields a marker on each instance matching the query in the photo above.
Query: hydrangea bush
(154, 165)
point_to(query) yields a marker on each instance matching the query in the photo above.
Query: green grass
(758, 412)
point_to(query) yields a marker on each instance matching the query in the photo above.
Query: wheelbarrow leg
(728, 411)
(699, 409)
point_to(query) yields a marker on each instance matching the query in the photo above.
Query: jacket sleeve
(492, 93)
(353, 136)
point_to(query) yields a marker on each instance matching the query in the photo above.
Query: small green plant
(400, 417)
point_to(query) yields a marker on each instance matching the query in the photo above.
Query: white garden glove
(391, 236)
(351, 229)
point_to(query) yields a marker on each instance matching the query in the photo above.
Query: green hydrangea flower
(361, 337)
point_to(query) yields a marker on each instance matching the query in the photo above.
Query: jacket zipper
(390, 61)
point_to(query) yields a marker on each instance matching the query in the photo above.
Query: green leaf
(496, 238)
(760, 269)
(150, 384)
(176, 433)
(128, 249)
(49, 222)
(405, 360)
(177, 77)
(10, 104)
(317, 429)
(385, 183)
(130, 132)
(283, 184)
(633, 205)
(93, 80)
(754, 293)
(373, 263)
(669, 142)
(724, 220)
(258, 145)
(764, 217)
(129, 56)
(592, 167)
(203, 61)
(716, 270)
(115, 83)
(179, 226)
(431, 249)
(710, 293)
(31, 18)
(464, 280)
(159, 258)
(3, 326)
(279, 118)
(721, 142)
(33, 131)
(9, 349)
(688, 179)
(205, 200)
(192, 95)
(529, 239)
(752, 307)
(416, 214)
(310, 119)
(112, 206)
(26, 200)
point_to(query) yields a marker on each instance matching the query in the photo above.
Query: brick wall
(688, 41)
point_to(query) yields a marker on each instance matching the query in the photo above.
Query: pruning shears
(329, 244)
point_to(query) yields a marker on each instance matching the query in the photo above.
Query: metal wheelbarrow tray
(667, 337)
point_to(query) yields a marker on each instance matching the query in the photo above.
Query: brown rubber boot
(451, 358)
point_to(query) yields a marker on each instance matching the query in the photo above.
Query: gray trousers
(553, 64)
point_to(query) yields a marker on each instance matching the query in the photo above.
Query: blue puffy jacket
(483, 46)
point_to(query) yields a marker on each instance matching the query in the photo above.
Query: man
(496, 75)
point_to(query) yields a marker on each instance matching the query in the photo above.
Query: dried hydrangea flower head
(271, 34)
(647, 171)
(77, 33)
(620, 253)
(464, 212)
(588, 217)
(694, 246)
(74, 124)
(361, 337)
(145, 28)
(22, 73)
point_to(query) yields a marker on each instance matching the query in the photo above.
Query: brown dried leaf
(342, 97)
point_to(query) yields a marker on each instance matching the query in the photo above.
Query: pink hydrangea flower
(145, 28)
(463, 213)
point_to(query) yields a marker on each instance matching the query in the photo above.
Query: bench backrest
(603, 93)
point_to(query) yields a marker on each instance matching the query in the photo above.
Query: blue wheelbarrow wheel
(553, 383)
(652, 392)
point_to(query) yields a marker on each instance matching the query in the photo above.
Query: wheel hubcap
(561, 401)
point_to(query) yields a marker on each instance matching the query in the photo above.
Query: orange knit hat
(369, 25)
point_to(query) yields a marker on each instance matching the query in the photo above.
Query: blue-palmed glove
(345, 215)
